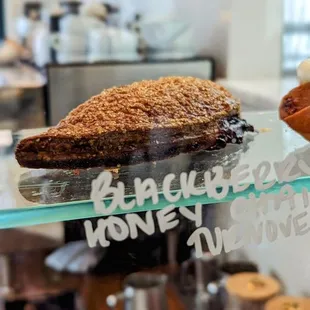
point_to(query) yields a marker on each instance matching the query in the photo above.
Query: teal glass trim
(85, 209)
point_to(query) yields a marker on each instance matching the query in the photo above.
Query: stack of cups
(99, 45)
(71, 42)
(124, 45)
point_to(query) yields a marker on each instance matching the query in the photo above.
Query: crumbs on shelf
(265, 130)
(76, 171)
(113, 170)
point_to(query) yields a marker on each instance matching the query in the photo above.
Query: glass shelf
(31, 197)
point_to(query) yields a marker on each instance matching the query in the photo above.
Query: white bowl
(162, 33)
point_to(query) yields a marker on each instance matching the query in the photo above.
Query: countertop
(135, 62)
(25, 76)
(260, 95)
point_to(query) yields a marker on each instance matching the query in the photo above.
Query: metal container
(217, 288)
(205, 271)
(142, 291)
(4, 275)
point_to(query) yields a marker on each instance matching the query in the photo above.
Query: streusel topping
(169, 102)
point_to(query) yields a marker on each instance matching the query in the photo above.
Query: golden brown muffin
(148, 120)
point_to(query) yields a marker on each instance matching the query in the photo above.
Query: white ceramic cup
(93, 57)
(126, 57)
(92, 23)
(99, 41)
(69, 43)
(73, 24)
(123, 42)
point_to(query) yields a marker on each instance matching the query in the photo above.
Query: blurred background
(65, 51)
(55, 54)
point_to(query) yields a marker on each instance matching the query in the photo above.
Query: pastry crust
(147, 120)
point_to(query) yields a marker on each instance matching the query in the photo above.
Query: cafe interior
(55, 55)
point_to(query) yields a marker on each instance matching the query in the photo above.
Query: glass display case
(35, 196)
(132, 178)
(172, 247)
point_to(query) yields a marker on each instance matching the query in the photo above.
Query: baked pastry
(251, 286)
(288, 303)
(144, 121)
(294, 109)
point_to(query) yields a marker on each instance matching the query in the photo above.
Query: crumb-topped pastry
(295, 106)
(144, 121)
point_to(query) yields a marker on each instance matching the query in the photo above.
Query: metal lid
(31, 7)
(110, 8)
(71, 7)
(238, 267)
